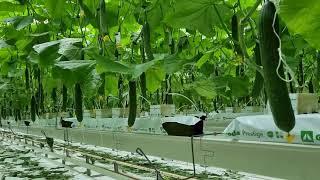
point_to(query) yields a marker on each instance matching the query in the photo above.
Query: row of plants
(60, 55)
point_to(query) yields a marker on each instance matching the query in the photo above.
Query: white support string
(281, 57)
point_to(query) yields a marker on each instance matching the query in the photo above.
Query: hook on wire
(141, 153)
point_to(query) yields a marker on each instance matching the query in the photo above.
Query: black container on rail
(27, 123)
(179, 129)
(65, 124)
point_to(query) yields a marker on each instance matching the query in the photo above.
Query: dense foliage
(203, 49)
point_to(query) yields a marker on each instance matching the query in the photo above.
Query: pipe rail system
(37, 144)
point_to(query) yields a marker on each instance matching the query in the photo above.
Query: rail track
(92, 162)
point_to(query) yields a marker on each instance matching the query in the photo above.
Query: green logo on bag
(270, 134)
(307, 136)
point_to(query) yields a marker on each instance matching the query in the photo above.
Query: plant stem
(252, 10)
(222, 23)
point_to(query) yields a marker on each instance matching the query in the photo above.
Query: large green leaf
(154, 78)
(239, 86)
(206, 57)
(199, 15)
(244, 3)
(174, 63)
(56, 7)
(12, 35)
(47, 54)
(20, 22)
(4, 86)
(205, 88)
(63, 43)
(302, 17)
(138, 69)
(8, 6)
(40, 48)
(225, 85)
(89, 12)
(3, 44)
(73, 71)
(109, 65)
(111, 85)
(70, 51)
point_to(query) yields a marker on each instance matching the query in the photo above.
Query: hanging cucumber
(78, 102)
(27, 78)
(235, 37)
(317, 80)
(15, 113)
(41, 99)
(10, 110)
(103, 18)
(120, 92)
(276, 88)
(54, 95)
(310, 86)
(64, 98)
(147, 42)
(54, 98)
(132, 103)
(101, 89)
(171, 44)
(258, 81)
(3, 112)
(143, 84)
(19, 114)
(33, 108)
(235, 34)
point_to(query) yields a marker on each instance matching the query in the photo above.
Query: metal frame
(192, 149)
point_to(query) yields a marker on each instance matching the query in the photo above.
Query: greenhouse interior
(159, 89)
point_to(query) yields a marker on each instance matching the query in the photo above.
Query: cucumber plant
(78, 102)
(276, 88)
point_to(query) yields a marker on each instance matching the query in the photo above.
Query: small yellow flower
(100, 98)
(290, 138)
(82, 13)
(119, 45)
(106, 38)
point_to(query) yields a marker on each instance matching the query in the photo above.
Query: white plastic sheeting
(263, 128)
(143, 124)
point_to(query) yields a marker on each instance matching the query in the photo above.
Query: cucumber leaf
(302, 17)
(199, 15)
(73, 71)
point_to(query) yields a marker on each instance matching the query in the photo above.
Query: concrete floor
(286, 161)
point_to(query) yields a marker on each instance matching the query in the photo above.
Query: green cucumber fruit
(258, 81)
(103, 18)
(143, 83)
(235, 34)
(27, 78)
(64, 98)
(276, 88)
(101, 89)
(41, 100)
(54, 95)
(147, 41)
(78, 102)
(3, 112)
(54, 98)
(33, 108)
(132, 103)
